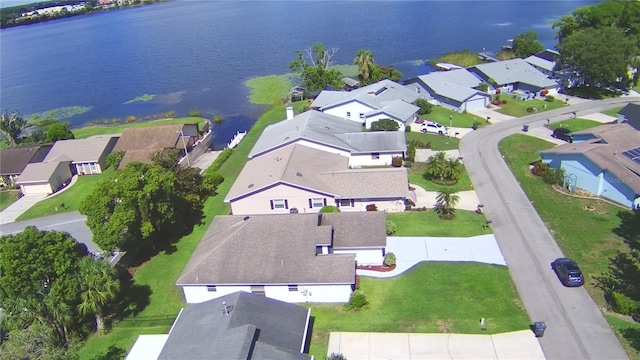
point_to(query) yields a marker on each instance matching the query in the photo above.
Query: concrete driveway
(11, 212)
(402, 346)
(468, 199)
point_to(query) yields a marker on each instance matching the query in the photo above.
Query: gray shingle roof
(618, 138)
(357, 229)
(317, 170)
(266, 249)
(396, 109)
(540, 62)
(39, 172)
(375, 95)
(81, 150)
(515, 71)
(632, 114)
(328, 130)
(14, 160)
(454, 84)
(255, 327)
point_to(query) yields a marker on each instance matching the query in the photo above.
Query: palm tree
(364, 59)
(436, 166)
(453, 169)
(100, 288)
(11, 126)
(446, 200)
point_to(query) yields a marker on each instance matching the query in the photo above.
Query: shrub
(213, 179)
(372, 207)
(540, 168)
(623, 304)
(554, 176)
(385, 125)
(195, 113)
(335, 356)
(390, 259)
(329, 209)
(130, 119)
(411, 152)
(170, 114)
(407, 128)
(396, 161)
(217, 119)
(549, 98)
(408, 163)
(425, 106)
(357, 301)
(113, 159)
(222, 157)
(530, 109)
(391, 227)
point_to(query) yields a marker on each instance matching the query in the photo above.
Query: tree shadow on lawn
(133, 298)
(113, 352)
(629, 228)
(633, 337)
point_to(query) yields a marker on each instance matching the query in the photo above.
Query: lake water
(198, 54)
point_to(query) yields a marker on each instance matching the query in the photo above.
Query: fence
(147, 321)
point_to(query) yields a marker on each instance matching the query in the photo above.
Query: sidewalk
(410, 251)
(468, 199)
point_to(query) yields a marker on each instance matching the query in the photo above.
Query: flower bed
(380, 268)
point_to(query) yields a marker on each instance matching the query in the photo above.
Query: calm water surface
(198, 54)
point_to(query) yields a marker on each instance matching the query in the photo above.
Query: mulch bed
(380, 268)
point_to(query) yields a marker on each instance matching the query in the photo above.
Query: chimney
(289, 112)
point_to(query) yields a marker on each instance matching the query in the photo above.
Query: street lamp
(184, 143)
(450, 123)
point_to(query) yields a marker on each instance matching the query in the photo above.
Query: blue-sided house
(604, 161)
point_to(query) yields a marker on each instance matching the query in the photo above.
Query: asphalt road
(72, 222)
(576, 328)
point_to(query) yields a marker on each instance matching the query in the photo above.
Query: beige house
(88, 156)
(301, 179)
(14, 160)
(45, 177)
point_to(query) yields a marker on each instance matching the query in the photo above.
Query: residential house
(630, 114)
(604, 161)
(140, 143)
(544, 61)
(454, 89)
(236, 326)
(295, 258)
(298, 178)
(14, 160)
(88, 156)
(334, 135)
(44, 177)
(514, 74)
(385, 99)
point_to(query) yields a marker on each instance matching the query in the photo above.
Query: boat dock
(236, 139)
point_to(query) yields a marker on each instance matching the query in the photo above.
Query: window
(375, 156)
(418, 89)
(345, 203)
(211, 288)
(293, 287)
(348, 114)
(317, 203)
(361, 115)
(94, 168)
(279, 204)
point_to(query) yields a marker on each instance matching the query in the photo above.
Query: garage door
(475, 104)
(36, 189)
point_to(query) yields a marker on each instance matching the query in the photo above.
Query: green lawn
(589, 237)
(269, 90)
(438, 142)
(8, 197)
(430, 298)
(464, 120)
(415, 177)
(576, 124)
(464, 58)
(155, 279)
(613, 111)
(427, 223)
(87, 131)
(71, 198)
(518, 108)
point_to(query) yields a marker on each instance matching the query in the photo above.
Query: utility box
(538, 328)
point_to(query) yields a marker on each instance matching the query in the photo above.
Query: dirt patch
(445, 326)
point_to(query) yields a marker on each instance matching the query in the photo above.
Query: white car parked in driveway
(433, 127)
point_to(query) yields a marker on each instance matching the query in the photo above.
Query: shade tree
(313, 66)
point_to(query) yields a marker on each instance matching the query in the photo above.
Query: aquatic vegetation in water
(417, 62)
(142, 98)
(58, 113)
(269, 90)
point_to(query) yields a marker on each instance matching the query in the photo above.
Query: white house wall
(303, 294)
(198, 294)
(42, 188)
(325, 148)
(353, 108)
(360, 160)
(364, 256)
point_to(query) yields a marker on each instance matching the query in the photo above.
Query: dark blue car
(568, 272)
